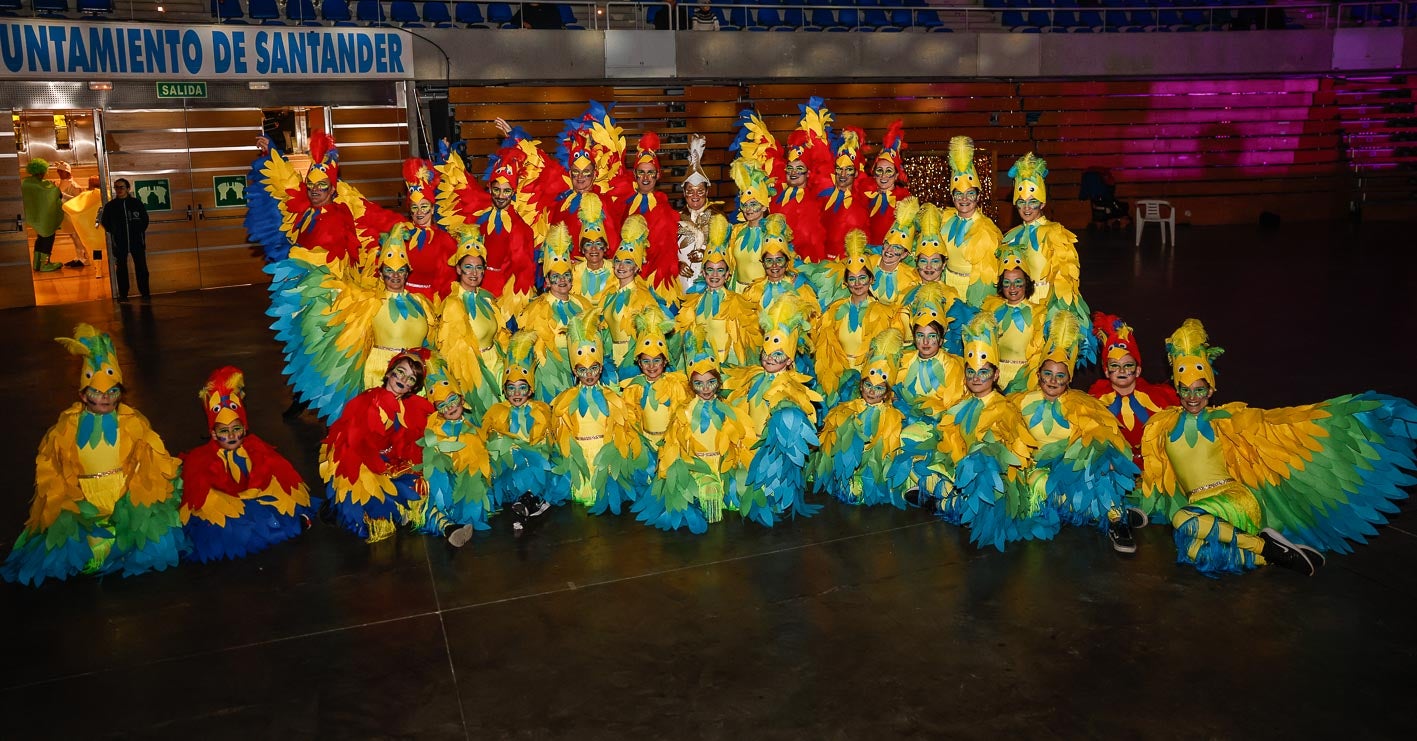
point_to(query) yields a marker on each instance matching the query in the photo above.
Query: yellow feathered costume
(471, 334)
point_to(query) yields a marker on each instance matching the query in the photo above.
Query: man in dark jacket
(126, 221)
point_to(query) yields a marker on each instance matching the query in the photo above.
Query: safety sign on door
(156, 195)
(230, 190)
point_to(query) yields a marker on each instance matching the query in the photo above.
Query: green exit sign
(182, 90)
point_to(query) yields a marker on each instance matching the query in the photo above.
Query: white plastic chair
(1150, 212)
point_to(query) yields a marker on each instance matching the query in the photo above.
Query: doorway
(76, 269)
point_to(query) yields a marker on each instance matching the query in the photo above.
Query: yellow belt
(708, 455)
(655, 432)
(962, 275)
(1208, 487)
(395, 349)
(619, 342)
(100, 475)
(592, 437)
(1014, 362)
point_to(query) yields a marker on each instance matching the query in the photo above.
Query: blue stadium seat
(404, 12)
(793, 17)
(737, 18)
(51, 8)
(568, 18)
(265, 11)
(876, 18)
(1091, 19)
(1143, 18)
(770, 18)
(437, 15)
(89, 7)
(1013, 19)
(824, 19)
(299, 12)
(928, 19)
(499, 14)
(1038, 18)
(902, 18)
(1065, 19)
(849, 18)
(1117, 19)
(371, 12)
(337, 12)
(470, 14)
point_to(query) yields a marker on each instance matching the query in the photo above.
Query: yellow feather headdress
(592, 216)
(902, 232)
(777, 237)
(963, 176)
(556, 252)
(981, 342)
(752, 182)
(634, 239)
(784, 322)
(100, 363)
(699, 354)
(1064, 340)
(439, 386)
(884, 357)
(1028, 174)
(521, 359)
(928, 242)
(649, 334)
(717, 248)
(583, 340)
(855, 260)
(1190, 353)
(470, 244)
(932, 304)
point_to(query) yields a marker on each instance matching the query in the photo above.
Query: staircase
(1378, 120)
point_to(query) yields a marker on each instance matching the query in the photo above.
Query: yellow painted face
(1026, 190)
(1187, 369)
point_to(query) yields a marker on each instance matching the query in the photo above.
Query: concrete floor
(853, 624)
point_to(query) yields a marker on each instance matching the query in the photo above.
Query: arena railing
(1043, 16)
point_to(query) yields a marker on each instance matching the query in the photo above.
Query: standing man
(42, 202)
(126, 221)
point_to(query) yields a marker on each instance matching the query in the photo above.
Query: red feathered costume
(880, 207)
(661, 266)
(429, 248)
(509, 240)
(844, 210)
(237, 502)
(331, 226)
(1134, 409)
(801, 206)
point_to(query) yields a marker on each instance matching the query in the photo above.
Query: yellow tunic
(591, 283)
(891, 286)
(101, 476)
(1051, 259)
(1044, 418)
(393, 332)
(732, 324)
(472, 329)
(1199, 463)
(930, 385)
(618, 307)
(529, 423)
(745, 254)
(656, 400)
(762, 292)
(1020, 339)
(971, 254)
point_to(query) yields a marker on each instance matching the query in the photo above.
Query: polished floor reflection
(853, 624)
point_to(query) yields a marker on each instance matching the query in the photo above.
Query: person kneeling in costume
(1082, 465)
(1131, 398)
(1248, 487)
(369, 458)
(518, 435)
(239, 496)
(601, 450)
(455, 465)
(861, 437)
(105, 496)
(703, 463)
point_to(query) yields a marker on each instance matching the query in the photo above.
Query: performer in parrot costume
(1022, 324)
(471, 332)
(844, 331)
(732, 320)
(1247, 487)
(455, 465)
(106, 492)
(239, 495)
(887, 186)
(862, 437)
(518, 435)
(1131, 398)
(628, 296)
(661, 256)
(501, 211)
(798, 172)
(550, 314)
(745, 243)
(369, 460)
(654, 388)
(971, 239)
(1083, 465)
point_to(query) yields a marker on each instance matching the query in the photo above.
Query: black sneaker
(74, 264)
(534, 505)
(1283, 552)
(520, 514)
(1119, 534)
(305, 522)
(912, 498)
(457, 535)
(1135, 518)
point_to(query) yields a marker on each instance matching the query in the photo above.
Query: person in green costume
(43, 212)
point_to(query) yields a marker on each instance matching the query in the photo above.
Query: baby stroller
(1100, 188)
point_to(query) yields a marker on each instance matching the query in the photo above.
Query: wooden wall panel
(1222, 149)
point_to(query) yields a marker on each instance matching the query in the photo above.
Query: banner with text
(49, 50)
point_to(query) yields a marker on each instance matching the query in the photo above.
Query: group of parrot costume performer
(559, 333)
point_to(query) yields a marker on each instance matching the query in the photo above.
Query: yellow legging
(1224, 532)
